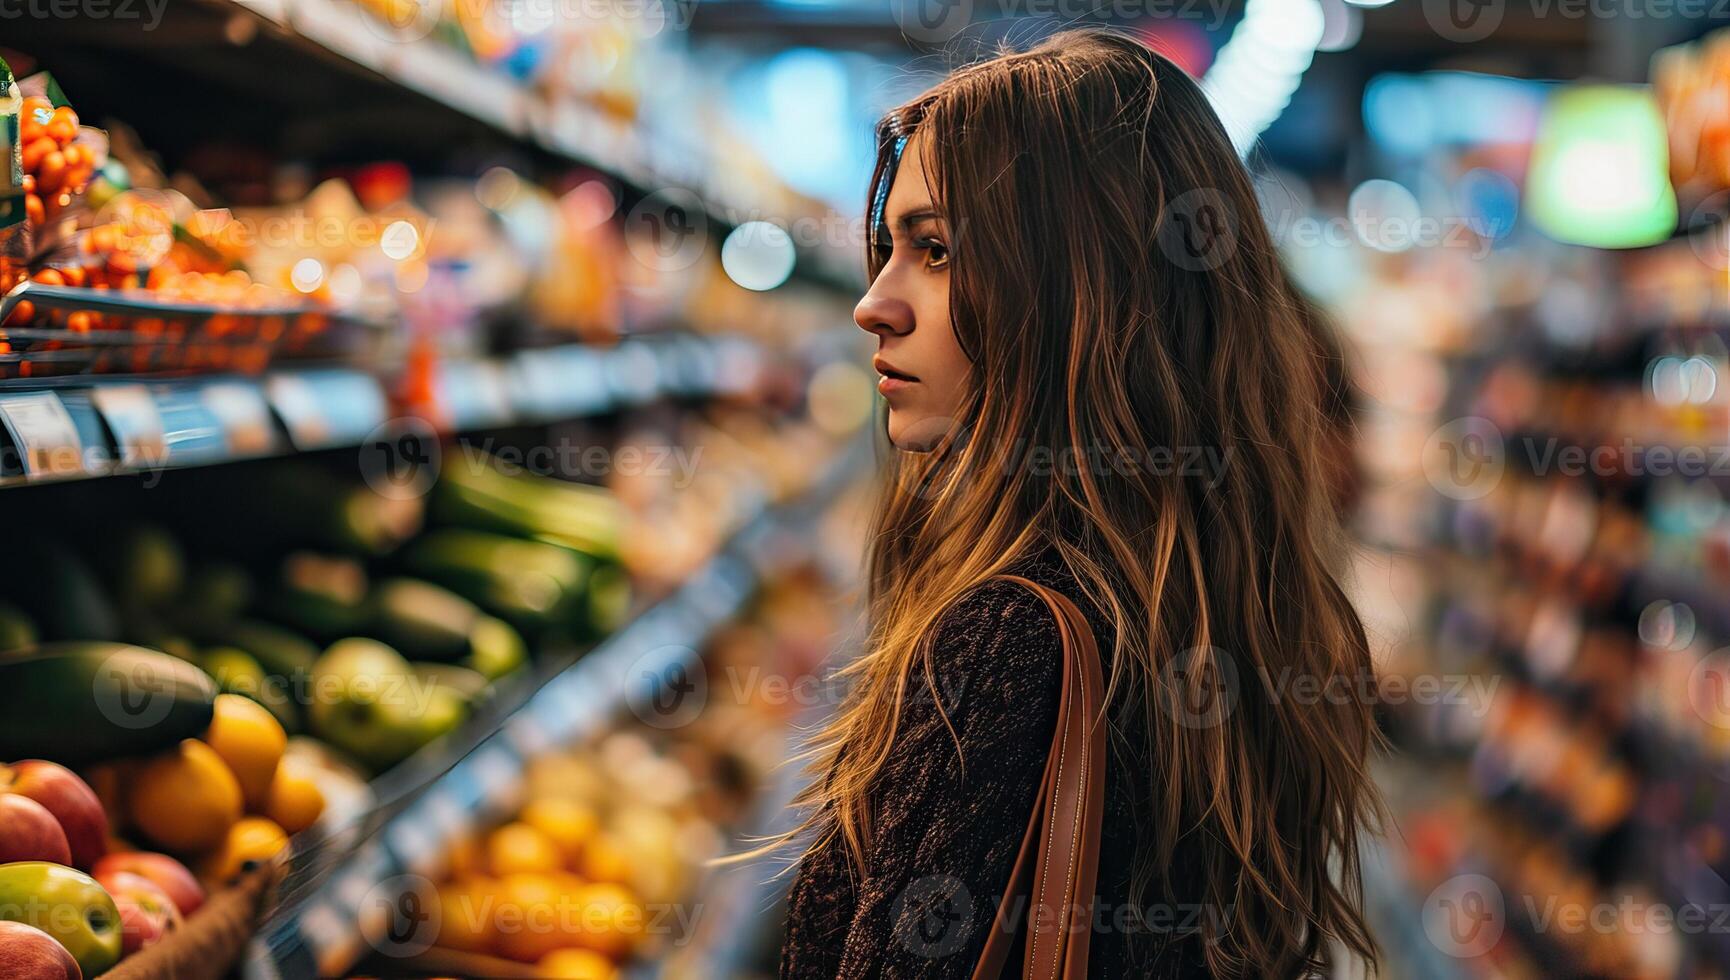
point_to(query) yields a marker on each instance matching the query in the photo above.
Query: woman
(1098, 377)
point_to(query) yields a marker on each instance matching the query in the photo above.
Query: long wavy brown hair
(1116, 289)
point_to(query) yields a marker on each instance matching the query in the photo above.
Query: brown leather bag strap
(1057, 867)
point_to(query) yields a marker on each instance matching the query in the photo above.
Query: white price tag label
(137, 425)
(42, 429)
(244, 417)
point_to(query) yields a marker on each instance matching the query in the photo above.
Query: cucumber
(281, 652)
(527, 583)
(81, 703)
(422, 620)
(315, 509)
(320, 596)
(582, 517)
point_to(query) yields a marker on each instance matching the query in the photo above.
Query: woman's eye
(936, 253)
(882, 247)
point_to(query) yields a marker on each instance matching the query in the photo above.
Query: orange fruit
(519, 847)
(251, 741)
(466, 911)
(576, 964)
(295, 802)
(569, 824)
(535, 916)
(185, 799)
(609, 919)
(605, 859)
(250, 840)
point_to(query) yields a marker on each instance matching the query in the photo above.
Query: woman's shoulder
(1005, 621)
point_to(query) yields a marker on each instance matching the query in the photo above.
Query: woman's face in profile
(923, 370)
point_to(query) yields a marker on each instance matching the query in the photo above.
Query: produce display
(66, 879)
(606, 862)
(219, 669)
(368, 246)
(346, 590)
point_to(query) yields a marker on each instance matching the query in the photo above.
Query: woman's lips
(892, 380)
(889, 385)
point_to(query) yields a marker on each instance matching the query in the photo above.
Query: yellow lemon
(466, 912)
(605, 859)
(251, 741)
(295, 802)
(609, 919)
(250, 840)
(519, 847)
(186, 799)
(567, 823)
(534, 917)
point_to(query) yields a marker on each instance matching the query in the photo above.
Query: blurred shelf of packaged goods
(327, 920)
(84, 427)
(1573, 584)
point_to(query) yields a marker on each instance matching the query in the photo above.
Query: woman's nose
(881, 312)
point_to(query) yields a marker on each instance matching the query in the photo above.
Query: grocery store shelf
(83, 427)
(322, 927)
(564, 126)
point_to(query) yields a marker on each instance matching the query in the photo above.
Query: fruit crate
(133, 331)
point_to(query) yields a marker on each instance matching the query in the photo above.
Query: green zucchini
(527, 583)
(80, 703)
(422, 620)
(281, 652)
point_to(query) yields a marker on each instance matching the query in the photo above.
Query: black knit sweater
(947, 827)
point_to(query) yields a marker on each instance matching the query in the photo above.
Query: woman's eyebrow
(911, 218)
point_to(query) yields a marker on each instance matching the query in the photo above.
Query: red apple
(69, 798)
(146, 911)
(166, 873)
(28, 832)
(28, 953)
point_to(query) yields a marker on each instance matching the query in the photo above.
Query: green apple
(368, 701)
(67, 905)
